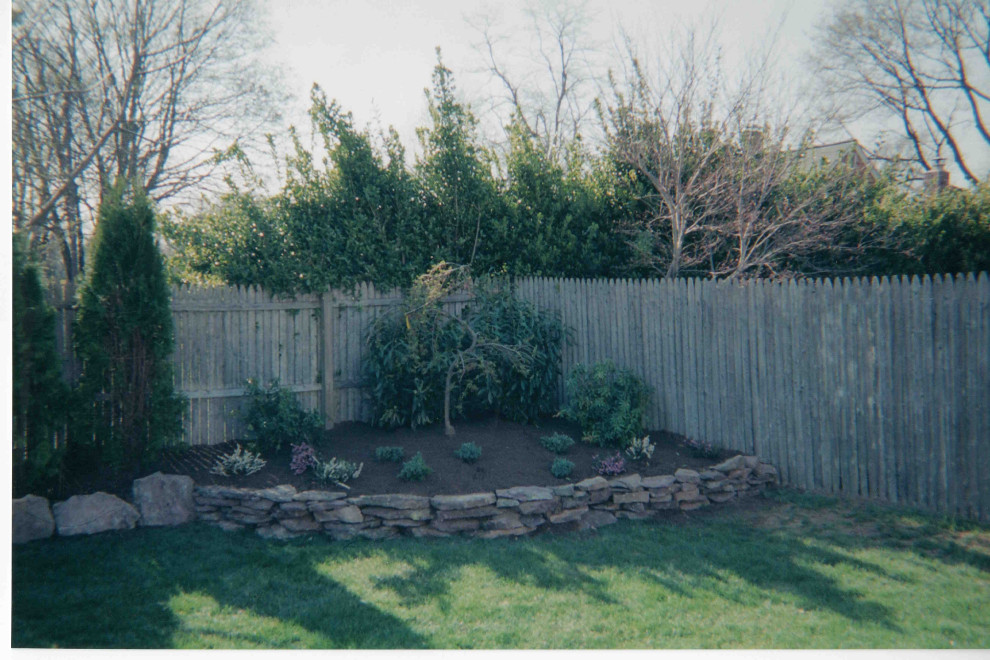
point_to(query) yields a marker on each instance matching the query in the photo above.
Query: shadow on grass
(691, 560)
(154, 588)
(115, 591)
(437, 565)
(897, 527)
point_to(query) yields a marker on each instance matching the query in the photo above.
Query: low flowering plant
(701, 448)
(610, 465)
(303, 458)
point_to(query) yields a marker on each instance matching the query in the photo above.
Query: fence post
(327, 309)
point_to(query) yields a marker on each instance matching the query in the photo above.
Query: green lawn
(792, 572)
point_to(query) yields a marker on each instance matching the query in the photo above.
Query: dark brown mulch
(511, 456)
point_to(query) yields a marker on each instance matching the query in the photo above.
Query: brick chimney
(937, 180)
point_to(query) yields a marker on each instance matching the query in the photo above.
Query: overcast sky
(376, 56)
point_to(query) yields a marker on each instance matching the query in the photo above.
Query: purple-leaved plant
(610, 465)
(701, 448)
(303, 458)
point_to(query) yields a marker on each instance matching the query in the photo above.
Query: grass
(792, 571)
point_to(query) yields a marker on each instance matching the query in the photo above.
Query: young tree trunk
(448, 428)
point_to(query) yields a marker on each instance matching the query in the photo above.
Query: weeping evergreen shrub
(410, 351)
(128, 410)
(39, 395)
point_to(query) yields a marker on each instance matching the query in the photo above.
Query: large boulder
(89, 514)
(32, 519)
(165, 499)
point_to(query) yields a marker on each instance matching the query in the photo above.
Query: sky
(375, 57)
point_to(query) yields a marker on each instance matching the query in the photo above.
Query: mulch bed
(511, 456)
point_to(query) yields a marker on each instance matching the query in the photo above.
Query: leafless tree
(671, 126)
(925, 63)
(778, 207)
(719, 155)
(552, 100)
(139, 90)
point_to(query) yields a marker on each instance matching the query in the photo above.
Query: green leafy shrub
(641, 449)
(275, 417)
(128, 409)
(608, 403)
(337, 472)
(39, 394)
(468, 452)
(512, 370)
(239, 461)
(389, 454)
(558, 443)
(415, 469)
(561, 468)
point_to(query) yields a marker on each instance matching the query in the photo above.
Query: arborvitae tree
(455, 173)
(39, 394)
(123, 338)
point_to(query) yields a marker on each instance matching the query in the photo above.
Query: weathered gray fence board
(831, 335)
(977, 404)
(974, 455)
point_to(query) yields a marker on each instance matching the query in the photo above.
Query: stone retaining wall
(283, 512)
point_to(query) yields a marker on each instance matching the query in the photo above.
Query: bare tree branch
(556, 99)
(142, 90)
(924, 62)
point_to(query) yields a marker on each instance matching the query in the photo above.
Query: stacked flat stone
(282, 512)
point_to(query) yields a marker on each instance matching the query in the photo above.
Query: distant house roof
(848, 152)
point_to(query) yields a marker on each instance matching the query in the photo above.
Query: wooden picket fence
(876, 388)
(312, 344)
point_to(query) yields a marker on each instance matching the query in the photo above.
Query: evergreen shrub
(608, 403)
(275, 417)
(128, 410)
(39, 394)
(558, 443)
(415, 469)
(468, 452)
(389, 454)
(561, 468)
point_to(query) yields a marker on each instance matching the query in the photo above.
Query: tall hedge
(39, 395)
(123, 337)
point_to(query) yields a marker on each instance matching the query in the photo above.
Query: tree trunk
(448, 428)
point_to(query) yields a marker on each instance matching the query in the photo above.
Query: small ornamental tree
(427, 362)
(38, 392)
(123, 336)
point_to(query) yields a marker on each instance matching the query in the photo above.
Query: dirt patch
(511, 456)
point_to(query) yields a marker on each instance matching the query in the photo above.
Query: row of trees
(687, 182)
(671, 181)
(365, 215)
